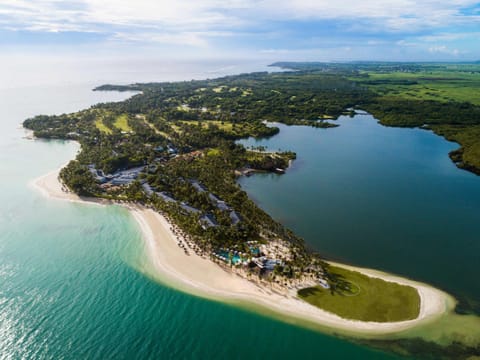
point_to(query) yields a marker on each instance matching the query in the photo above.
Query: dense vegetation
(291, 98)
(359, 297)
(173, 147)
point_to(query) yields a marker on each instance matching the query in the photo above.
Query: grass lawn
(219, 89)
(176, 128)
(225, 126)
(359, 297)
(121, 123)
(213, 152)
(154, 128)
(101, 126)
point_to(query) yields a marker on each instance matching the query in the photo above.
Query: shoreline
(202, 277)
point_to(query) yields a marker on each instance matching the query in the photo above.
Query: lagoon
(374, 196)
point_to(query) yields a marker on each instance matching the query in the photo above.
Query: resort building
(222, 205)
(126, 177)
(199, 187)
(189, 208)
(208, 221)
(235, 217)
(97, 174)
(213, 198)
(163, 195)
(147, 188)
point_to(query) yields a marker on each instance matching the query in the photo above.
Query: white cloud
(442, 49)
(180, 14)
(195, 22)
(235, 12)
(150, 21)
(392, 14)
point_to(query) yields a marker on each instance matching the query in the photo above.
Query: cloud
(256, 24)
(442, 49)
(145, 21)
(191, 15)
(392, 15)
(231, 14)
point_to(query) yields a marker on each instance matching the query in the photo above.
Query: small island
(169, 154)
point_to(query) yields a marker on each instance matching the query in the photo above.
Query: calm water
(379, 197)
(68, 284)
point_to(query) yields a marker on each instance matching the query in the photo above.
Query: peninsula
(169, 154)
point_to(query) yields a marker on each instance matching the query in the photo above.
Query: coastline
(202, 277)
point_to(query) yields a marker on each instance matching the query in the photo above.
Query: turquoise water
(68, 284)
(379, 197)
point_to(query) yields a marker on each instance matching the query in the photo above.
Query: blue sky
(324, 30)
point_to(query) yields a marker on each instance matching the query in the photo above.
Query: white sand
(194, 274)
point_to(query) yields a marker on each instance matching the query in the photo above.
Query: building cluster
(209, 221)
(170, 149)
(206, 220)
(120, 177)
(164, 154)
(265, 263)
(254, 259)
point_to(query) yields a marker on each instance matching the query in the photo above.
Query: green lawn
(101, 126)
(213, 152)
(219, 89)
(154, 128)
(225, 126)
(121, 123)
(359, 297)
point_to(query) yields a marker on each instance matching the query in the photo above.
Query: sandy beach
(199, 276)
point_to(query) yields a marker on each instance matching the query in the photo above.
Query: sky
(308, 30)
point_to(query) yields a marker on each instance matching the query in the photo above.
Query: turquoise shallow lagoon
(69, 287)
